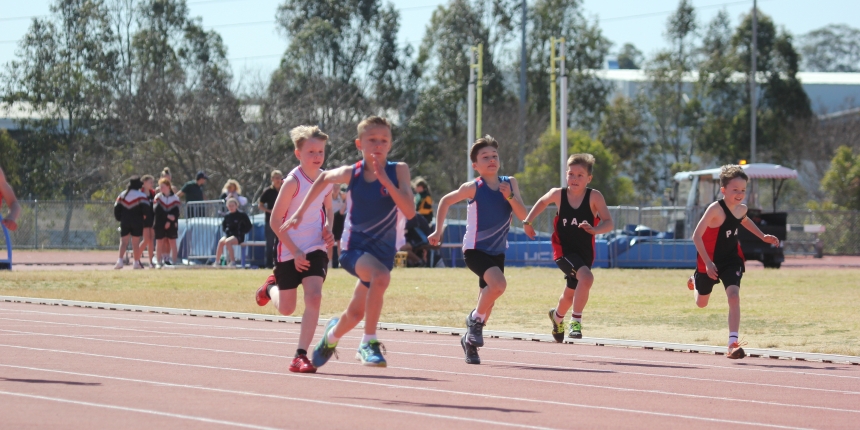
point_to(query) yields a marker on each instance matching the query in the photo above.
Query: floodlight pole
(753, 97)
(470, 134)
(552, 89)
(522, 119)
(480, 85)
(563, 106)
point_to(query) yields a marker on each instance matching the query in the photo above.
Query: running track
(87, 368)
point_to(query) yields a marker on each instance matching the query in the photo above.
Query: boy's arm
(552, 196)
(598, 205)
(402, 195)
(768, 238)
(466, 191)
(10, 221)
(282, 203)
(706, 220)
(328, 236)
(339, 175)
(517, 201)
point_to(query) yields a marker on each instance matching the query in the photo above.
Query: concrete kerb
(455, 331)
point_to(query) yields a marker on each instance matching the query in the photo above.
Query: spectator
(7, 194)
(423, 200)
(193, 192)
(235, 225)
(148, 216)
(266, 203)
(338, 206)
(165, 174)
(166, 222)
(129, 211)
(417, 245)
(232, 190)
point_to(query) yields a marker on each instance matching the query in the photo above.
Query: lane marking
(142, 411)
(407, 387)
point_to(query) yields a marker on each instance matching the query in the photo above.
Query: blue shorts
(349, 258)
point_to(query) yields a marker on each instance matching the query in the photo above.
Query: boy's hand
(302, 262)
(712, 270)
(166, 225)
(379, 171)
(530, 231)
(328, 237)
(10, 224)
(771, 239)
(293, 222)
(435, 239)
(505, 188)
(171, 217)
(587, 227)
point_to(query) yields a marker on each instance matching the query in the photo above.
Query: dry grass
(800, 310)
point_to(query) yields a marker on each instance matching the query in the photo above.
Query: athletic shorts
(288, 278)
(169, 233)
(570, 264)
(729, 273)
(479, 262)
(349, 258)
(134, 230)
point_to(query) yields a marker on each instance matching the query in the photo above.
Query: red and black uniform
(721, 244)
(573, 247)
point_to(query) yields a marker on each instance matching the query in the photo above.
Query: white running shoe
(118, 264)
(137, 265)
(232, 265)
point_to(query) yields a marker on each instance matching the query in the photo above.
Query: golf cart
(702, 187)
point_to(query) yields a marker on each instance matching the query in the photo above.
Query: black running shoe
(475, 334)
(471, 352)
(557, 327)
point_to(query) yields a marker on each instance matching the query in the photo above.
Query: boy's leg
(353, 314)
(284, 300)
(369, 267)
(584, 279)
(496, 285)
(565, 301)
(310, 318)
(734, 298)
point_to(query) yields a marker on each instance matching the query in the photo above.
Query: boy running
(720, 257)
(582, 213)
(379, 200)
(301, 253)
(8, 195)
(492, 201)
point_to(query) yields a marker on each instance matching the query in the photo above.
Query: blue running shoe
(370, 355)
(324, 350)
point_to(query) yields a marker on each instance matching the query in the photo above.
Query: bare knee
(313, 299)
(286, 308)
(380, 280)
(702, 301)
(584, 279)
(734, 298)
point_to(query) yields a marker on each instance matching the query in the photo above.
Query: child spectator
(266, 204)
(423, 200)
(235, 225)
(148, 215)
(232, 190)
(166, 223)
(129, 211)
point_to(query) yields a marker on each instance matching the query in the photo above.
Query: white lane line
(427, 389)
(793, 372)
(274, 396)
(653, 375)
(142, 411)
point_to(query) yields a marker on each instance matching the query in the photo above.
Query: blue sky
(254, 45)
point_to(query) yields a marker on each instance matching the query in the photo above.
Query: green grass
(799, 310)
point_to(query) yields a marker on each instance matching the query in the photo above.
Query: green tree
(629, 57)
(841, 183)
(543, 164)
(832, 48)
(9, 162)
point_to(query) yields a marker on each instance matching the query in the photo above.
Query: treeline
(115, 87)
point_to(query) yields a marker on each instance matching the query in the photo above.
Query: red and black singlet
(568, 238)
(721, 242)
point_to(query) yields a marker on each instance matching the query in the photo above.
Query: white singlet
(308, 235)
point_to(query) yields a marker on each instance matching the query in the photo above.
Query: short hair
(732, 171)
(585, 160)
(420, 182)
(372, 121)
(277, 173)
(303, 133)
(145, 178)
(164, 181)
(234, 183)
(480, 144)
(232, 200)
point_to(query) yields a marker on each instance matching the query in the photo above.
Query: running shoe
(137, 266)
(118, 264)
(736, 352)
(301, 364)
(575, 330)
(691, 283)
(370, 354)
(262, 295)
(323, 350)
(557, 327)
(475, 333)
(470, 350)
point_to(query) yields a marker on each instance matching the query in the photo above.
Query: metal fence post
(35, 224)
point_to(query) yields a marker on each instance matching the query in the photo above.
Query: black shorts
(479, 262)
(570, 264)
(288, 278)
(166, 233)
(134, 230)
(728, 273)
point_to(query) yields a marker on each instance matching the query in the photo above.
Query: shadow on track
(48, 381)
(442, 406)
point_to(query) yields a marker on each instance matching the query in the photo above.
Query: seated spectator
(235, 226)
(232, 190)
(417, 245)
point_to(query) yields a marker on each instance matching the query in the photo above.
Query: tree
(625, 132)
(841, 183)
(9, 162)
(832, 48)
(629, 57)
(543, 164)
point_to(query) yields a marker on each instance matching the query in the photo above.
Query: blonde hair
(277, 173)
(232, 200)
(164, 181)
(302, 133)
(732, 171)
(232, 182)
(372, 121)
(584, 160)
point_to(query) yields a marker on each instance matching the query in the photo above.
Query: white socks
(733, 338)
(577, 317)
(331, 339)
(557, 318)
(476, 316)
(367, 338)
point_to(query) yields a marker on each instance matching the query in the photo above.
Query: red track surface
(84, 368)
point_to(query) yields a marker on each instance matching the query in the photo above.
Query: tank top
(568, 238)
(373, 222)
(308, 235)
(721, 242)
(488, 219)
